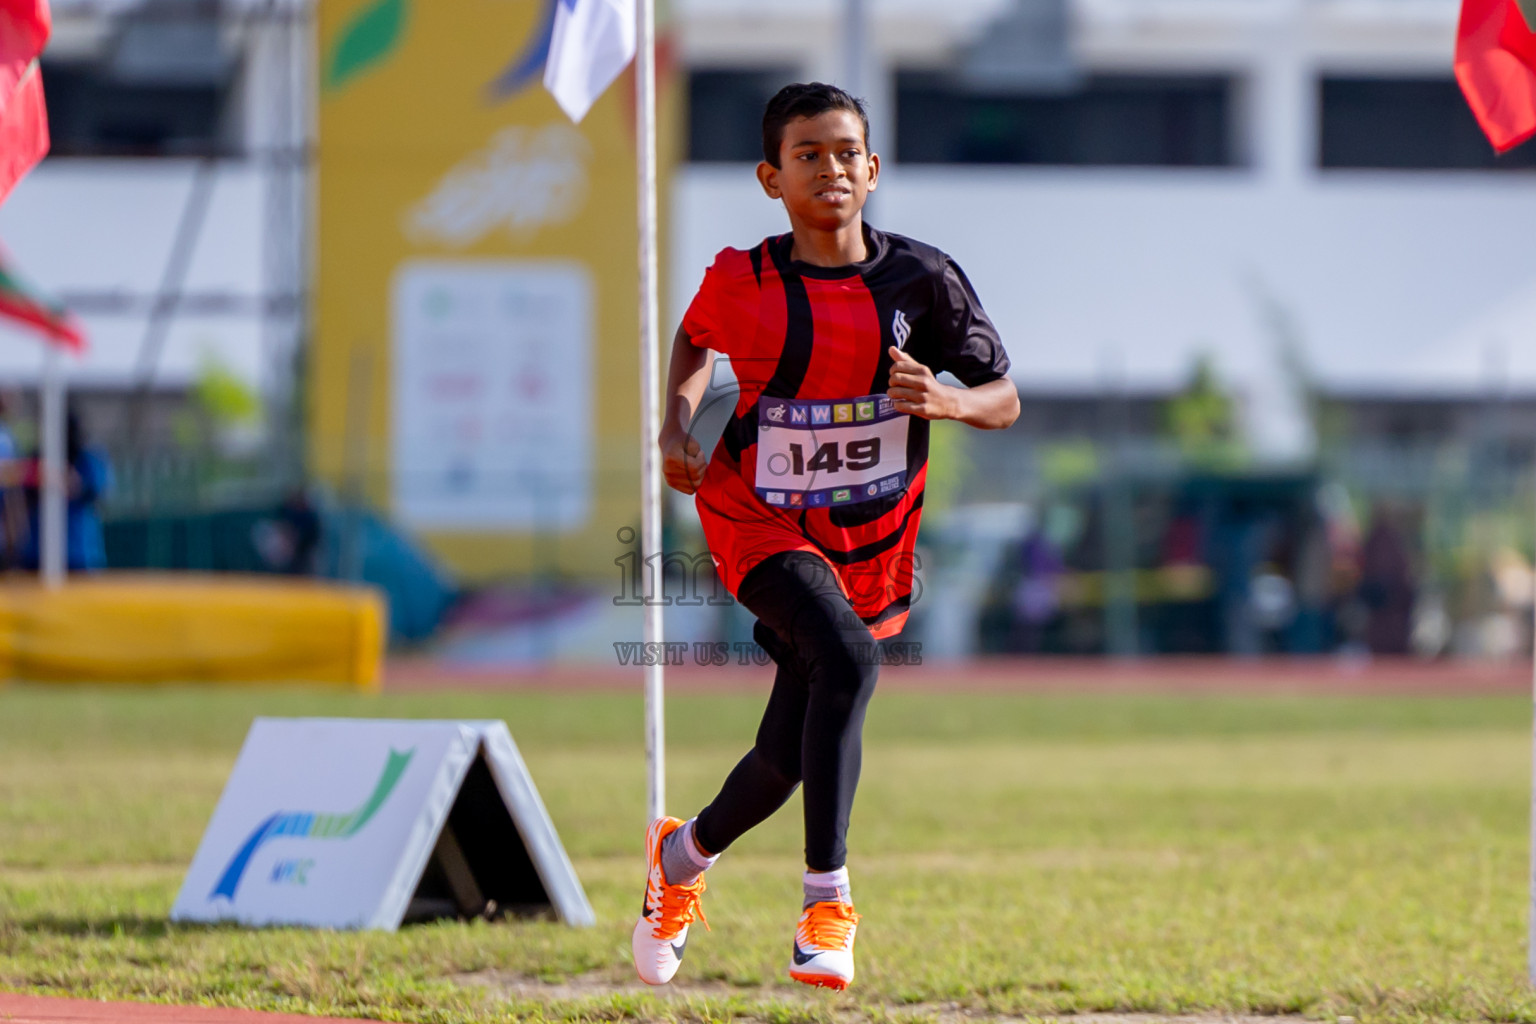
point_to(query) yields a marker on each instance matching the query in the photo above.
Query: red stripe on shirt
(755, 367)
(847, 339)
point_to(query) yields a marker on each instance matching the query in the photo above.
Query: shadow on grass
(134, 926)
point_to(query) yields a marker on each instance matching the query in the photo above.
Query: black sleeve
(969, 346)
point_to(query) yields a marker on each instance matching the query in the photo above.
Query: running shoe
(661, 934)
(824, 945)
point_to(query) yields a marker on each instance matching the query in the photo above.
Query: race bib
(818, 454)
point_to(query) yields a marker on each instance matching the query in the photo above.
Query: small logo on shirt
(864, 410)
(889, 484)
(796, 498)
(885, 406)
(797, 414)
(776, 413)
(842, 413)
(775, 497)
(816, 499)
(900, 329)
(872, 490)
(842, 495)
(821, 414)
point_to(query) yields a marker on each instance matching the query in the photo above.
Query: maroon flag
(24, 28)
(1496, 66)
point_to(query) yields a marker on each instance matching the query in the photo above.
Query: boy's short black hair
(805, 99)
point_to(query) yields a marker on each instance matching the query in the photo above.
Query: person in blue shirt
(89, 478)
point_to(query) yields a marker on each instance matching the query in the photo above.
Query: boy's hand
(915, 390)
(682, 462)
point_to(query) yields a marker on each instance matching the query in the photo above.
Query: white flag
(592, 42)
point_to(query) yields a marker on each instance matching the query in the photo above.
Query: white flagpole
(1530, 948)
(52, 520)
(650, 407)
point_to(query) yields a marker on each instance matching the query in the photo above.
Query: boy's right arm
(682, 459)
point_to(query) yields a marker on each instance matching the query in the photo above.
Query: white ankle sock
(821, 886)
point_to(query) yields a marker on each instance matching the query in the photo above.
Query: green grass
(1012, 855)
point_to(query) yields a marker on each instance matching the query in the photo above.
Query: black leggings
(813, 725)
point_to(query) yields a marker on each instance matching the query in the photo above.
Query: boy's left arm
(914, 389)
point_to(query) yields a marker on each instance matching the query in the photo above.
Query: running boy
(810, 503)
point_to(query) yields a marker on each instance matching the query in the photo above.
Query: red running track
(1213, 675)
(20, 1009)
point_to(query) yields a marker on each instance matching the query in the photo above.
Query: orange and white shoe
(824, 945)
(661, 934)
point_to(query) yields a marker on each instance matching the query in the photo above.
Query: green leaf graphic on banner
(367, 39)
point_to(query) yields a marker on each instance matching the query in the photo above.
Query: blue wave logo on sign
(312, 825)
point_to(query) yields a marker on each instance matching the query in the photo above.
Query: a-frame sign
(359, 823)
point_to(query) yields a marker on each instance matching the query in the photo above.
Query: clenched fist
(682, 462)
(915, 390)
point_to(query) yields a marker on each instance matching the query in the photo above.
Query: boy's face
(825, 170)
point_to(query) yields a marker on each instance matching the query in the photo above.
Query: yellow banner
(474, 365)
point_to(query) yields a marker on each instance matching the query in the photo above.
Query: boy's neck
(837, 248)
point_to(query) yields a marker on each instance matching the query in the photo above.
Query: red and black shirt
(814, 457)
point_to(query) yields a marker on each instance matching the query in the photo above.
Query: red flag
(24, 29)
(1496, 66)
(22, 304)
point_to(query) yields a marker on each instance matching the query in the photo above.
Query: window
(89, 114)
(1409, 123)
(1109, 120)
(725, 112)
(159, 83)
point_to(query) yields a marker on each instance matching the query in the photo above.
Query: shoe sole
(820, 980)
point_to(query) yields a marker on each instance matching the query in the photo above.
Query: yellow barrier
(134, 628)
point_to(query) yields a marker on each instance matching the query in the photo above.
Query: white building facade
(1326, 213)
(1199, 180)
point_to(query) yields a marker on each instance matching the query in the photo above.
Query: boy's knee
(848, 664)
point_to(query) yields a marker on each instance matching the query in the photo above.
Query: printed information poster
(492, 384)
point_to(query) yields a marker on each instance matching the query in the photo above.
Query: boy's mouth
(834, 193)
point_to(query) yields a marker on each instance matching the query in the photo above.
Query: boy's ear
(874, 170)
(768, 177)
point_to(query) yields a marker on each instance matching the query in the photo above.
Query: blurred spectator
(1313, 581)
(1242, 541)
(289, 540)
(13, 506)
(1037, 595)
(1387, 586)
(1183, 544)
(88, 478)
